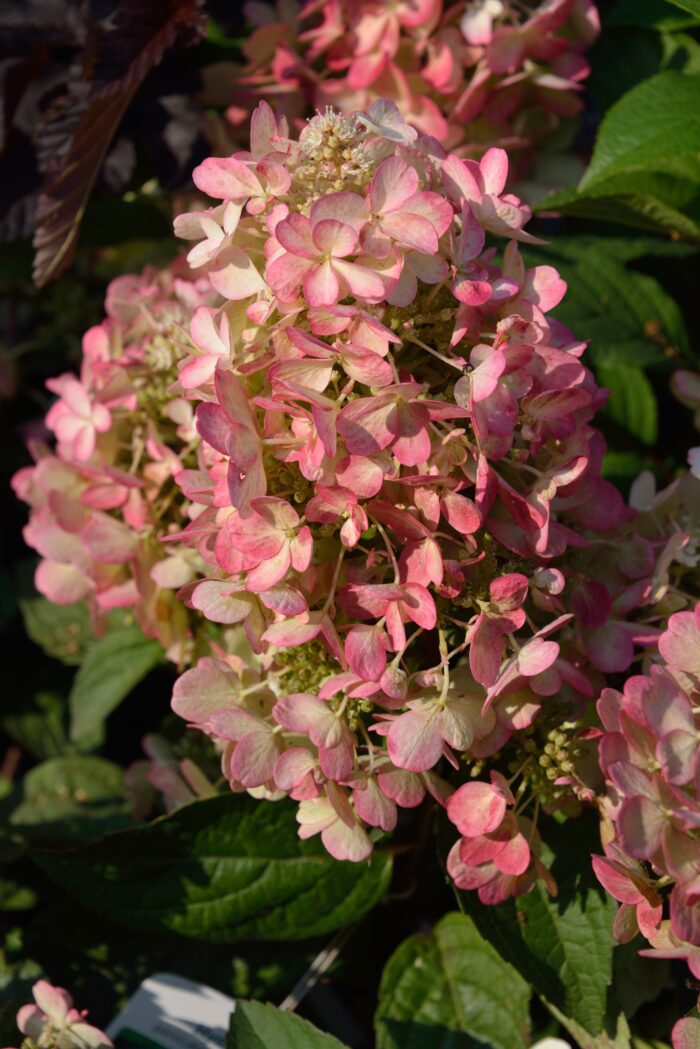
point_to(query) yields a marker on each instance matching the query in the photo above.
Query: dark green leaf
(71, 799)
(621, 58)
(223, 869)
(39, 726)
(62, 631)
(620, 248)
(628, 316)
(654, 127)
(693, 6)
(632, 403)
(255, 1025)
(562, 946)
(451, 988)
(16, 897)
(633, 200)
(9, 1033)
(658, 14)
(638, 980)
(112, 667)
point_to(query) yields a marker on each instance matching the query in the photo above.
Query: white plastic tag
(169, 1012)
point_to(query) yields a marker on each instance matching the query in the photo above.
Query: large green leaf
(224, 869)
(626, 54)
(659, 14)
(628, 316)
(688, 5)
(654, 127)
(39, 726)
(632, 403)
(255, 1025)
(71, 799)
(450, 987)
(111, 668)
(643, 201)
(562, 946)
(62, 631)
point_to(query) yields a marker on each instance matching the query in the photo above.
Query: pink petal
(494, 170)
(215, 600)
(63, 584)
(461, 513)
(254, 758)
(616, 881)
(411, 230)
(640, 824)
(53, 1001)
(413, 741)
(226, 178)
(234, 275)
(290, 633)
(514, 857)
(365, 651)
(321, 285)
(334, 238)
(537, 655)
(509, 591)
(476, 808)
(486, 651)
(362, 282)
(392, 183)
(346, 843)
(209, 686)
(295, 235)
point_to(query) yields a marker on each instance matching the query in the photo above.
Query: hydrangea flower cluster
(53, 1023)
(479, 73)
(103, 499)
(649, 756)
(405, 457)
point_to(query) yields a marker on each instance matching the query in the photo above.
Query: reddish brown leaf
(77, 133)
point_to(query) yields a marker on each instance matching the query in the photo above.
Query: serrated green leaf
(62, 631)
(451, 987)
(627, 316)
(223, 869)
(562, 946)
(71, 799)
(111, 668)
(632, 402)
(255, 1025)
(654, 127)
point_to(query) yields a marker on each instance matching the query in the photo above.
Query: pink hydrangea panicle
(483, 72)
(395, 442)
(100, 502)
(53, 1023)
(648, 755)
